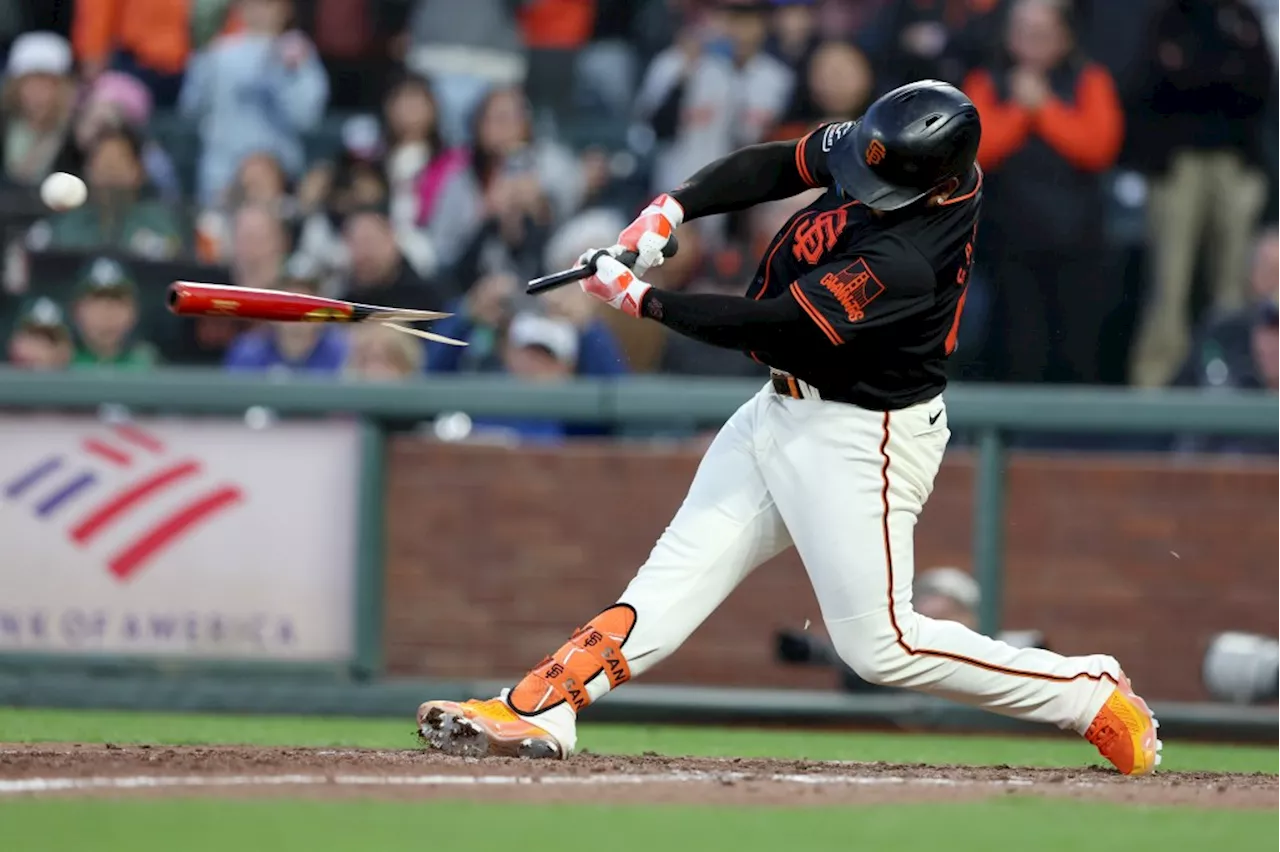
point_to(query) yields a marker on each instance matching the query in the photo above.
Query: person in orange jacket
(150, 39)
(1052, 124)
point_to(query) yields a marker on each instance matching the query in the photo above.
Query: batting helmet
(908, 142)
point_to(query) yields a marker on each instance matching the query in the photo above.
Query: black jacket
(1208, 83)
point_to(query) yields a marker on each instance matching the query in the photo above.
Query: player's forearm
(751, 175)
(730, 322)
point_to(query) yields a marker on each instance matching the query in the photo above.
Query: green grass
(1014, 823)
(172, 728)
(1020, 824)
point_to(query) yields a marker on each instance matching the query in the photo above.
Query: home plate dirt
(231, 771)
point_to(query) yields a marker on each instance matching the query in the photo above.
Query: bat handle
(568, 276)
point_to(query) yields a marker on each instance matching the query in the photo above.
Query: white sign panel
(194, 538)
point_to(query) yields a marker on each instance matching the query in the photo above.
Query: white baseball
(62, 191)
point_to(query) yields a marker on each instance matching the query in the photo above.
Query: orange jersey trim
(801, 166)
(815, 314)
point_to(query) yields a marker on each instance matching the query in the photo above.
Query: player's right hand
(649, 234)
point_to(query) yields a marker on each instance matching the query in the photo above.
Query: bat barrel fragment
(189, 298)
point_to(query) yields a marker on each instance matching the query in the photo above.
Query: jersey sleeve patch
(878, 287)
(854, 288)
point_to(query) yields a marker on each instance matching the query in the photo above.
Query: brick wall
(495, 555)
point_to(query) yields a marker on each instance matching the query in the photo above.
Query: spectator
(416, 165)
(505, 202)
(541, 350)
(554, 33)
(841, 82)
(35, 137)
(1238, 350)
(358, 41)
(119, 213)
(118, 100)
(605, 73)
(358, 181)
(260, 181)
(379, 272)
(701, 105)
(794, 39)
(260, 247)
(1051, 124)
(150, 39)
(931, 39)
(465, 54)
(478, 318)
(1199, 133)
(304, 347)
(256, 90)
(40, 339)
(376, 353)
(105, 313)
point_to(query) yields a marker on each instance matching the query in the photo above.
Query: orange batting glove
(616, 285)
(649, 234)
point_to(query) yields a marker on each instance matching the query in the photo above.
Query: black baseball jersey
(885, 289)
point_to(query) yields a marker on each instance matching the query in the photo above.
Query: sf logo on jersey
(816, 235)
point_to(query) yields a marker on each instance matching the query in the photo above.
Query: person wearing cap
(537, 349)
(35, 117)
(105, 315)
(120, 213)
(259, 89)
(40, 338)
(291, 346)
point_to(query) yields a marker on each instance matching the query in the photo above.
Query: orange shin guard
(593, 651)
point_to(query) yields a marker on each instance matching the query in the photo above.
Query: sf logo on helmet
(875, 153)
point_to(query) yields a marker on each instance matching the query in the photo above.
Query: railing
(990, 413)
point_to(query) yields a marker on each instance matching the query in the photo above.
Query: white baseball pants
(845, 486)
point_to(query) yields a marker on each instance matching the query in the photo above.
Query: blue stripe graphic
(65, 493)
(31, 477)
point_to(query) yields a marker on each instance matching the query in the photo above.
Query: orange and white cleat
(483, 729)
(1124, 731)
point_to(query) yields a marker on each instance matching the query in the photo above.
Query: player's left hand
(616, 285)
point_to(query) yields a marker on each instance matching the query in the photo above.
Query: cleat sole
(457, 735)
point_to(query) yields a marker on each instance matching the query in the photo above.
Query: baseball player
(855, 308)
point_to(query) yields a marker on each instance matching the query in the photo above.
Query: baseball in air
(62, 191)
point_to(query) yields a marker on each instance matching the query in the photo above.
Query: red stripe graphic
(162, 534)
(139, 438)
(122, 502)
(105, 451)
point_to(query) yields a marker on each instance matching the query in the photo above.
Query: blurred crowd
(439, 153)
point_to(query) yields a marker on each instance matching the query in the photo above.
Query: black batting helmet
(908, 142)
